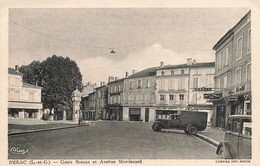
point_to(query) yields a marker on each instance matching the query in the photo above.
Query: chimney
(95, 85)
(116, 78)
(189, 62)
(110, 78)
(16, 67)
(104, 83)
(134, 71)
(194, 61)
(162, 64)
(126, 74)
(101, 83)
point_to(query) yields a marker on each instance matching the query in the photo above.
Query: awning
(21, 105)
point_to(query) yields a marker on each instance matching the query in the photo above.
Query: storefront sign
(135, 111)
(202, 89)
(233, 98)
(212, 96)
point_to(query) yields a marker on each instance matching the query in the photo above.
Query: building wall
(139, 91)
(172, 84)
(201, 77)
(23, 101)
(236, 90)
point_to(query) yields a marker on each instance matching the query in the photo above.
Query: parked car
(237, 141)
(189, 121)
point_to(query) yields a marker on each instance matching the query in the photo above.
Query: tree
(58, 76)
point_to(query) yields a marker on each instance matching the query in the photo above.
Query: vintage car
(237, 141)
(189, 121)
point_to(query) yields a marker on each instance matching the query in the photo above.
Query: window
(162, 73)
(170, 84)
(139, 83)
(249, 42)
(181, 83)
(181, 96)
(182, 71)
(239, 48)
(227, 54)
(172, 72)
(219, 61)
(162, 98)
(171, 97)
(148, 83)
(194, 98)
(209, 80)
(236, 126)
(119, 87)
(247, 127)
(195, 82)
(131, 85)
(248, 72)
(225, 82)
(238, 76)
(161, 85)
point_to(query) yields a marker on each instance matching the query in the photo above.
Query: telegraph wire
(104, 47)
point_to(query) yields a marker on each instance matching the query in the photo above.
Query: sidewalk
(21, 126)
(212, 135)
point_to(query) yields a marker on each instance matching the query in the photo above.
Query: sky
(140, 37)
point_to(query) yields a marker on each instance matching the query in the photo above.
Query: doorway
(146, 114)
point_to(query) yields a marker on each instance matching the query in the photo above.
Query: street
(110, 140)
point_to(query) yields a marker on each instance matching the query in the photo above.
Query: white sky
(141, 38)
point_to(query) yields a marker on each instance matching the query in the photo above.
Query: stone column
(21, 114)
(64, 115)
(38, 114)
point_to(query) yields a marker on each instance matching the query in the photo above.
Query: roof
(100, 87)
(27, 85)
(115, 81)
(230, 32)
(144, 73)
(14, 72)
(197, 65)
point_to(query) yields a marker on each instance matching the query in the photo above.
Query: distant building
(139, 96)
(101, 101)
(89, 106)
(88, 88)
(233, 73)
(114, 109)
(24, 100)
(182, 87)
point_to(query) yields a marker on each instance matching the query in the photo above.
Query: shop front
(114, 113)
(134, 114)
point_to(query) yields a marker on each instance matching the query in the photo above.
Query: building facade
(139, 96)
(24, 100)
(114, 109)
(89, 106)
(101, 101)
(182, 87)
(233, 73)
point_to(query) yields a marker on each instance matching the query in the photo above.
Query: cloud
(96, 69)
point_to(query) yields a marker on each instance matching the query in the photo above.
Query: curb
(207, 139)
(41, 130)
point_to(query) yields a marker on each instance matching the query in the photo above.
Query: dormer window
(162, 73)
(172, 72)
(182, 71)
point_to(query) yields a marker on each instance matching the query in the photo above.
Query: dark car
(189, 121)
(237, 141)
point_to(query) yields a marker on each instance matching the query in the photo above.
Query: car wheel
(221, 153)
(157, 127)
(192, 130)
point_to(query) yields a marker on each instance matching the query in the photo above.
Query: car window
(236, 126)
(229, 125)
(247, 127)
